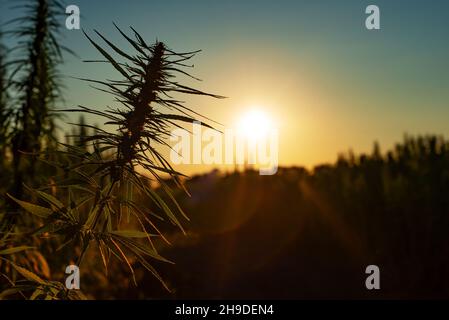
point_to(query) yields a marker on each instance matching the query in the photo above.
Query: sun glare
(255, 125)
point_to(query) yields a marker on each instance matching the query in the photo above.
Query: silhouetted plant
(4, 110)
(35, 80)
(82, 134)
(4, 102)
(5, 124)
(104, 175)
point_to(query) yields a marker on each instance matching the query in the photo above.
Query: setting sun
(255, 125)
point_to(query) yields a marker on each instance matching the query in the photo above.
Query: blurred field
(311, 235)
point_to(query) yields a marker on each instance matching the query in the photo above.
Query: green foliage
(106, 178)
(34, 80)
(28, 284)
(37, 71)
(98, 181)
(5, 112)
(33, 287)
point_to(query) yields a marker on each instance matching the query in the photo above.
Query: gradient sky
(329, 83)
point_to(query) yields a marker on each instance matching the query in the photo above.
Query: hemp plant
(36, 83)
(5, 111)
(99, 184)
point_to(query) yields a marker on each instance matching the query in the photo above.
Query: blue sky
(331, 84)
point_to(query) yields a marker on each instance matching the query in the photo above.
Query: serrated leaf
(10, 291)
(138, 247)
(28, 274)
(39, 211)
(15, 250)
(50, 199)
(150, 268)
(130, 233)
(161, 204)
(107, 56)
(76, 295)
(36, 294)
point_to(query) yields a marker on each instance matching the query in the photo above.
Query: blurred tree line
(310, 234)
